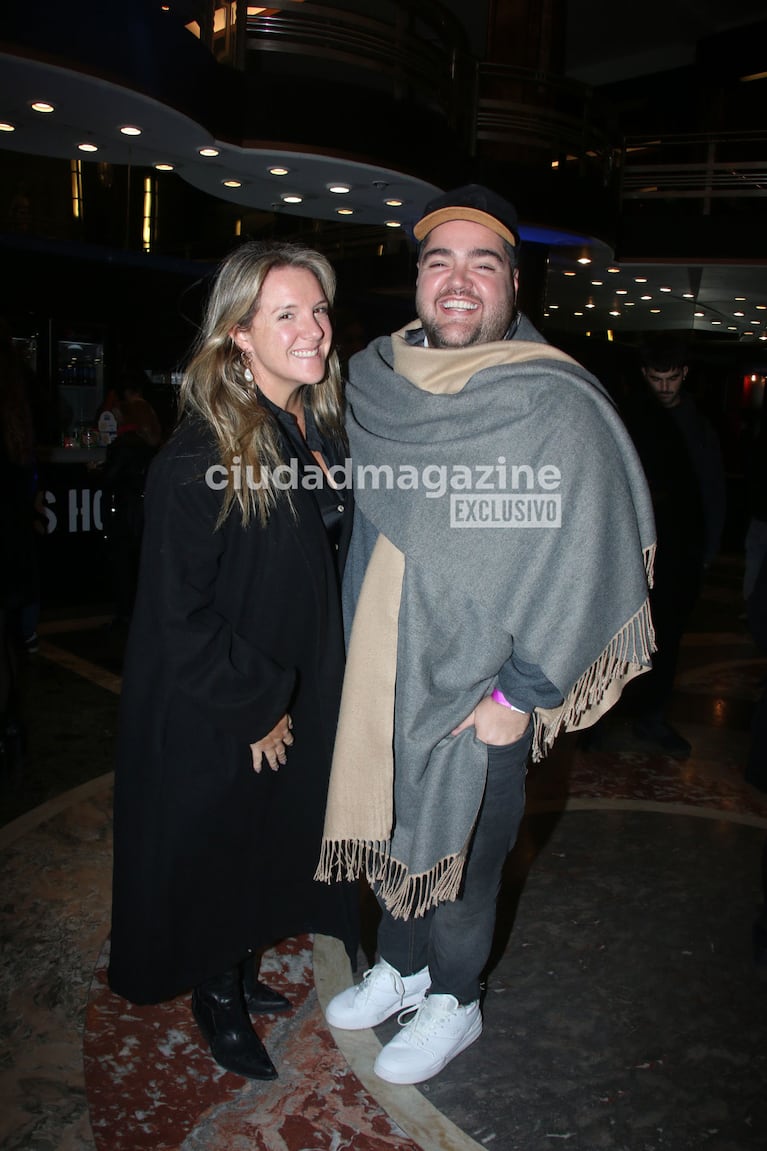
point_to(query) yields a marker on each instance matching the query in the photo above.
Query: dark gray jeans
(455, 938)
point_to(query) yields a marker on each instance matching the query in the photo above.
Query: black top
(332, 501)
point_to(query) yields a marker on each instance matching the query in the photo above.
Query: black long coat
(232, 628)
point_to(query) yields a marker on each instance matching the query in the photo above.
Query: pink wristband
(500, 698)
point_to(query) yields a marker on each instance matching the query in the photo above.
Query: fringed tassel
(405, 895)
(631, 647)
(346, 859)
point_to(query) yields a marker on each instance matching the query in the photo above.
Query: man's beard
(443, 334)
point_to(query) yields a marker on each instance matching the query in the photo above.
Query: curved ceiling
(90, 110)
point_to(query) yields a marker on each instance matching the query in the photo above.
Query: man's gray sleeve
(525, 685)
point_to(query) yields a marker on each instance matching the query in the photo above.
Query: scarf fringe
(406, 896)
(630, 649)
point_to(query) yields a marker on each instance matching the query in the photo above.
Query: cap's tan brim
(445, 215)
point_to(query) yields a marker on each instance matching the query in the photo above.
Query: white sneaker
(382, 992)
(440, 1029)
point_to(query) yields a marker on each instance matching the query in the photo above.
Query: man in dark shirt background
(682, 459)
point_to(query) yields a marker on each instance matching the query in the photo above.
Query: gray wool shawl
(540, 544)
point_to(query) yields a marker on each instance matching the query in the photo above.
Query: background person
(755, 543)
(755, 596)
(494, 639)
(123, 475)
(682, 459)
(19, 570)
(234, 662)
(131, 407)
(756, 768)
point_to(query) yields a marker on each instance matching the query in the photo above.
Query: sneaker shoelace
(368, 983)
(421, 1024)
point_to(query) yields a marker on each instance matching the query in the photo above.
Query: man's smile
(458, 305)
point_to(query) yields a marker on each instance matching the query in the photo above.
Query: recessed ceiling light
(589, 305)
(761, 307)
(208, 151)
(628, 303)
(716, 321)
(688, 295)
(597, 283)
(584, 259)
(5, 127)
(291, 198)
(699, 315)
(339, 189)
(392, 223)
(345, 211)
(613, 269)
(232, 183)
(87, 147)
(615, 313)
(130, 130)
(393, 203)
(577, 313)
(645, 297)
(739, 315)
(664, 289)
(640, 279)
(621, 292)
(42, 106)
(740, 299)
(164, 167)
(279, 171)
(569, 273)
(732, 327)
(655, 311)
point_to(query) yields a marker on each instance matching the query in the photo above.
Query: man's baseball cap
(475, 203)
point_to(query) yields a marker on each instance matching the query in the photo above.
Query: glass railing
(411, 47)
(539, 111)
(699, 167)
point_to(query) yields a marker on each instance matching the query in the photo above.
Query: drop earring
(247, 372)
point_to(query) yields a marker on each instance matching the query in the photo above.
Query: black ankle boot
(219, 1008)
(260, 999)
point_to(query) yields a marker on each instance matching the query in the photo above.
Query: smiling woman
(234, 661)
(287, 343)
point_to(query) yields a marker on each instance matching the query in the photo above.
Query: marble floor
(623, 1007)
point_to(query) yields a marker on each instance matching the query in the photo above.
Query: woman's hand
(495, 724)
(274, 746)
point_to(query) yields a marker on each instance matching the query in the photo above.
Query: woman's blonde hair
(214, 387)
